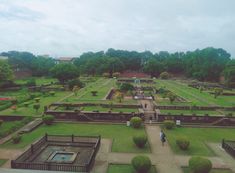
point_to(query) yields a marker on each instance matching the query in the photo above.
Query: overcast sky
(71, 27)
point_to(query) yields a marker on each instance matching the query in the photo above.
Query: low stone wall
(93, 116)
(173, 107)
(213, 120)
(11, 117)
(96, 104)
(110, 94)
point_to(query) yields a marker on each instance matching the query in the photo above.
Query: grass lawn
(99, 108)
(39, 80)
(29, 111)
(102, 86)
(194, 95)
(121, 135)
(2, 162)
(187, 170)
(116, 168)
(198, 138)
(190, 112)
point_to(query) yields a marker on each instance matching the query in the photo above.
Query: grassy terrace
(102, 86)
(190, 112)
(115, 168)
(29, 111)
(194, 96)
(39, 80)
(198, 138)
(121, 135)
(187, 170)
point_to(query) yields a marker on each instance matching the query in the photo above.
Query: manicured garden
(191, 112)
(29, 110)
(194, 96)
(122, 168)
(120, 134)
(198, 138)
(187, 170)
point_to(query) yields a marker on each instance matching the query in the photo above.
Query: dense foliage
(140, 141)
(169, 124)
(136, 122)
(64, 72)
(141, 164)
(6, 72)
(206, 65)
(200, 165)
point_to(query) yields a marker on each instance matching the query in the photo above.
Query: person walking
(162, 137)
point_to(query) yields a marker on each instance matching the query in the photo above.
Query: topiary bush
(26, 104)
(183, 143)
(52, 93)
(169, 124)
(48, 119)
(136, 122)
(200, 165)
(37, 100)
(36, 106)
(140, 141)
(141, 164)
(1, 121)
(16, 138)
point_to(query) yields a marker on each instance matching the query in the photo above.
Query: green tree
(64, 72)
(229, 73)
(6, 72)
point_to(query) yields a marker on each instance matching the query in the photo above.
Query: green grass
(190, 112)
(198, 138)
(29, 111)
(122, 168)
(187, 170)
(102, 86)
(39, 80)
(194, 95)
(121, 135)
(99, 108)
(2, 162)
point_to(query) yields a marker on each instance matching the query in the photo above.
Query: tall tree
(6, 72)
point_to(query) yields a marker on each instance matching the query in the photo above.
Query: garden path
(9, 154)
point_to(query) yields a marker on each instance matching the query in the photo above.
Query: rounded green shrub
(37, 99)
(1, 121)
(169, 124)
(36, 106)
(141, 164)
(183, 143)
(140, 141)
(52, 93)
(26, 104)
(200, 165)
(16, 138)
(136, 122)
(48, 119)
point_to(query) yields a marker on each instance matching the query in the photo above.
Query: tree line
(207, 64)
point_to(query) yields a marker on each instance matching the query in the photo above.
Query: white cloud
(70, 27)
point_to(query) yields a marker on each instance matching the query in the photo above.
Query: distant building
(64, 60)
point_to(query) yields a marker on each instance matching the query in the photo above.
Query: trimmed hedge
(169, 124)
(140, 141)
(48, 119)
(141, 164)
(200, 165)
(136, 122)
(183, 143)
